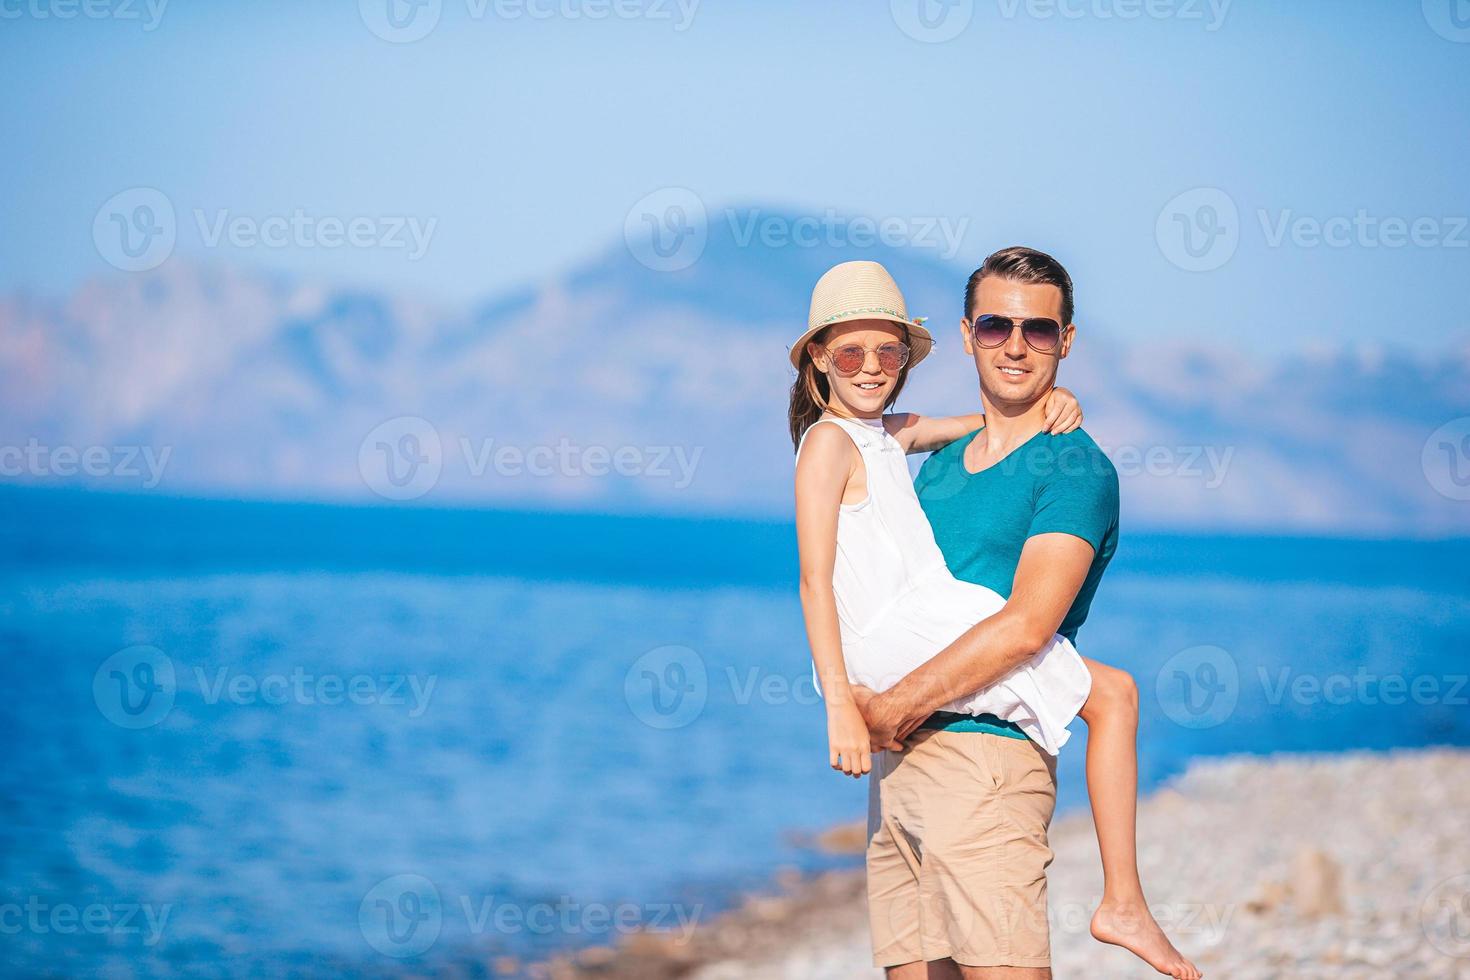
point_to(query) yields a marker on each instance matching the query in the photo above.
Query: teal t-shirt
(1049, 483)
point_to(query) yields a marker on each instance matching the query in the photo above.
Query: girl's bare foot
(1132, 926)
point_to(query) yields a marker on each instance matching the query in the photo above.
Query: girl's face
(864, 391)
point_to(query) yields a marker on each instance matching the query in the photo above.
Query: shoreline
(1345, 865)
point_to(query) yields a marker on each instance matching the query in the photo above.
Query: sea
(276, 739)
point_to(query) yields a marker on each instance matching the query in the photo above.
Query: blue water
(547, 713)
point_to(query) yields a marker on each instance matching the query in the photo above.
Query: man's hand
(888, 724)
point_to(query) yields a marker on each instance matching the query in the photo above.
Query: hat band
(885, 311)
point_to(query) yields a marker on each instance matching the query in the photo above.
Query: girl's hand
(1063, 412)
(847, 740)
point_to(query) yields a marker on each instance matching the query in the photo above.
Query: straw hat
(860, 291)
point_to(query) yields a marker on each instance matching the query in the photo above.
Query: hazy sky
(516, 135)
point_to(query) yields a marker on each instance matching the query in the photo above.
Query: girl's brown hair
(811, 391)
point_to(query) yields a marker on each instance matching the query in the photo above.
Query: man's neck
(1008, 426)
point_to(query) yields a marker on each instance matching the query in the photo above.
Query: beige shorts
(957, 850)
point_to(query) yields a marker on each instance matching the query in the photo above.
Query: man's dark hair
(1024, 265)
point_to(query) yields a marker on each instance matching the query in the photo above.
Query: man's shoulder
(1078, 444)
(1075, 458)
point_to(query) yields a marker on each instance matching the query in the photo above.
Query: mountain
(615, 386)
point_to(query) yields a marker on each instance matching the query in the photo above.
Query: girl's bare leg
(1123, 918)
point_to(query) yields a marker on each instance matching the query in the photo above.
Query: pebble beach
(1344, 866)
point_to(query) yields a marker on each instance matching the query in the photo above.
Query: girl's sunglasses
(850, 358)
(1040, 333)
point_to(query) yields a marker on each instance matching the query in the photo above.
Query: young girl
(879, 600)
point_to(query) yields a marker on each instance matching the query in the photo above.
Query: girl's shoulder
(827, 436)
(827, 456)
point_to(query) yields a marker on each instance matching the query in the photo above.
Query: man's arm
(1051, 571)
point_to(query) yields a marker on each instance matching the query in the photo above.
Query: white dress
(898, 604)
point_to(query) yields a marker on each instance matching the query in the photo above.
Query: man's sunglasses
(1040, 333)
(850, 358)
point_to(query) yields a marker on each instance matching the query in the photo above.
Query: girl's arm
(924, 434)
(828, 460)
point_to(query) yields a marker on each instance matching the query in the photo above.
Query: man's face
(1014, 373)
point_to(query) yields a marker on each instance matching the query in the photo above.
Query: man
(958, 851)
